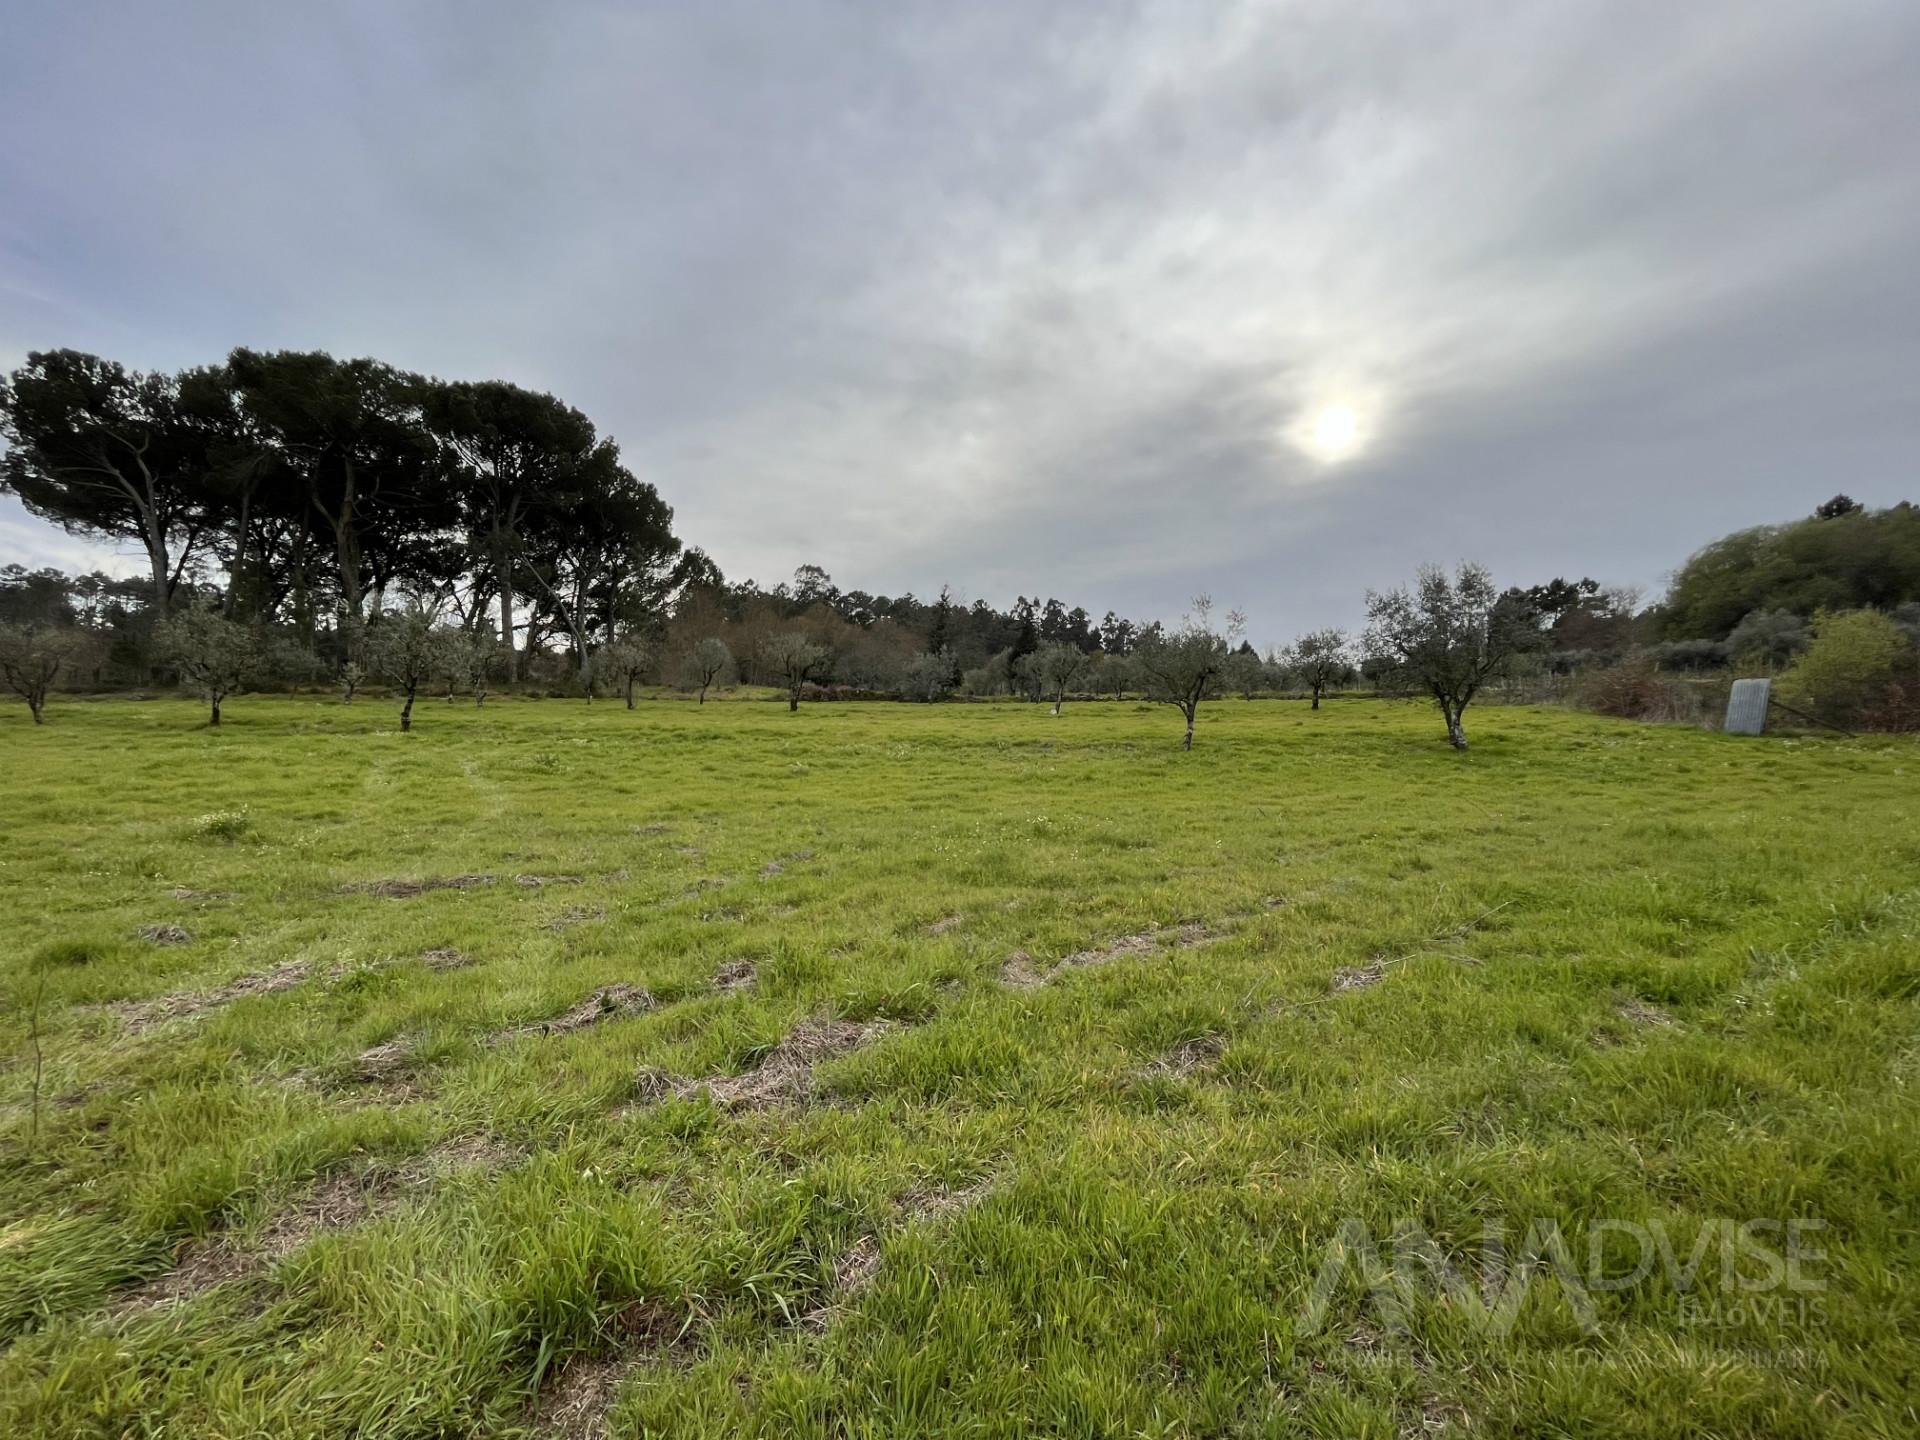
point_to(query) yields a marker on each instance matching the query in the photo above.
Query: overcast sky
(1105, 301)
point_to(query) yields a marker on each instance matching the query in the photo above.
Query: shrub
(1768, 637)
(1636, 690)
(1856, 659)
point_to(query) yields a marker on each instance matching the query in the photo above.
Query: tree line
(310, 519)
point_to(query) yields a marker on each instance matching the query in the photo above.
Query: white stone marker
(1747, 707)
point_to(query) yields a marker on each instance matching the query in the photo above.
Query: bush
(1858, 669)
(1636, 690)
(1768, 637)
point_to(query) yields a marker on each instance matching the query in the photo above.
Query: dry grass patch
(142, 1015)
(164, 935)
(609, 1002)
(736, 977)
(1187, 1058)
(407, 889)
(784, 1074)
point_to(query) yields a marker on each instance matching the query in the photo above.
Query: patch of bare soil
(1360, 977)
(735, 977)
(609, 1002)
(407, 889)
(1187, 1058)
(337, 1201)
(446, 958)
(576, 915)
(784, 1074)
(537, 882)
(164, 935)
(142, 1015)
(1642, 1012)
(946, 923)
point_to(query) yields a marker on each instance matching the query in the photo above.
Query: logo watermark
(1731, 1274)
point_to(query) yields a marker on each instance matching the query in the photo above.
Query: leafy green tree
(795, 660)
(102, 450)
(599, 551)
(508, 449)
(213, 654)
(351, 435)
(1246, 672)
(31, 659)
(1849, 559)
(1320, 660)
(927, 677)
(624, 662)
(1184, 666)
(1448, 636)
(1057, 666)
(706, 662)
(409, 647)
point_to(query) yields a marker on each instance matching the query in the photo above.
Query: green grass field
(885, 1070)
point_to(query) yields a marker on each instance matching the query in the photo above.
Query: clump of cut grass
(223, 827)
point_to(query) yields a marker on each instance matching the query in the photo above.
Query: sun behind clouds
(1331, 431)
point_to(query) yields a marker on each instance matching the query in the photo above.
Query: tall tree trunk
(162, 570)
(793, 699)
(629, 692)
(1316, 697)
(503, 577)
(36, 704)
(1056, 702)
(1187, 744)
(1456, 732)
(214, 719)
(406, 711)
(703, 692)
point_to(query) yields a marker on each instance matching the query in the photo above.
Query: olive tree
(409, 648)
(928, 676)
(1450, 635)
(1184, 666)
(623, 662)
(1246, 672)
(795, 659)
(480, 652)
(1320, 661)
(1057, 666)
(31, 658)
(707, 662)
(213, 654)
